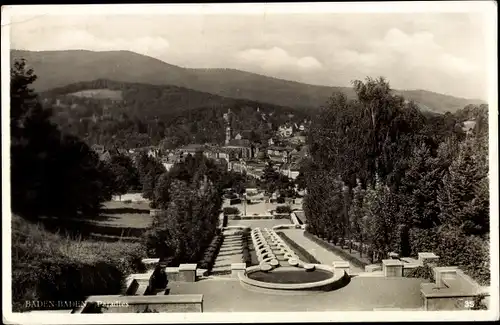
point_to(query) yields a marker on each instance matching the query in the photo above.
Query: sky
(440, 52)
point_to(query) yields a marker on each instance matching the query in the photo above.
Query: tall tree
(420, 187)
(126, 174)
(356, 214)
(51, 173)
(462, 195)
(149, 170)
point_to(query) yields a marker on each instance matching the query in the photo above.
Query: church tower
(228, 134)
(227, 118)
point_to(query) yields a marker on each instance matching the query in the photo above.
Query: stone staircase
(230, 252)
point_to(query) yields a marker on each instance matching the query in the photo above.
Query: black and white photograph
(251, 162)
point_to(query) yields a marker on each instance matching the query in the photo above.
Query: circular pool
(297, 275)
(293, 280)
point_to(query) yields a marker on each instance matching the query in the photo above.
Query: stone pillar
(187, 272)
(441, 272)
(237, 268)
(341, 266)
(392, 268)
(427, 257)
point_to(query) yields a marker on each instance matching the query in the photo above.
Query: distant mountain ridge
(59, 68)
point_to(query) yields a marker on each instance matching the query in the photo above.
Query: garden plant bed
(352, 257)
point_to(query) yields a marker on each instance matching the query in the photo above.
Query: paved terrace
(362, 294)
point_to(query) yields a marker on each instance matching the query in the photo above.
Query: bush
(280, 200)
(283, 209)
(127, 201)
(234, 201)
(422, 272)
(470, 253)
(422, 240)
(211, 252)
(246, 256)
(230, 196)
(158, 278)
(231, 210)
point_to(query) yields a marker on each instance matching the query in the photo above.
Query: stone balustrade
(187, 272)
(136, 304)
(452, 290)
(237, 268)
(392, 268)
(342, 266)
(427, 257)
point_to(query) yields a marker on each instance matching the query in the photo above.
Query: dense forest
(413, 183)
(132, 115)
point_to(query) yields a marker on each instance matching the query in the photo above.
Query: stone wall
(160, 303)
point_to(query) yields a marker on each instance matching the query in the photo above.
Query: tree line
(385, 177)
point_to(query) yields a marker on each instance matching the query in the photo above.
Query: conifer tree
(461, 197)
(419, 189)
(356, 213)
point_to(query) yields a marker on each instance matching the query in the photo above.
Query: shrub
(235, 201)
(280, 200)
(127, 201)
(283, 209)
(231, 210)
(422, 272)
(479, 302)
(470, 253)
(422, 240)
(246, 256)
(159, 278)
(211, 252)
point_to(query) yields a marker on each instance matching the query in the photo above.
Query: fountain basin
(293, 280)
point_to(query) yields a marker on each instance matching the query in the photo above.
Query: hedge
(231, 210)
(211, 252)
(283, 209)
(422, 272)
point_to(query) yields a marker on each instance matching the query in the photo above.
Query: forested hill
(133, 114)
(59, 68)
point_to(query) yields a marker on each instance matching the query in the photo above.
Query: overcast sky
(444, 53)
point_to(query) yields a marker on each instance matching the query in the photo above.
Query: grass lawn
(117, 221)
(260, 223)
(120, 214)
(258, 208)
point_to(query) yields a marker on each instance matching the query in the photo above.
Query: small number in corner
(469, 304)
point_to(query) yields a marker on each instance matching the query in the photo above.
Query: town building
(285, 131)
